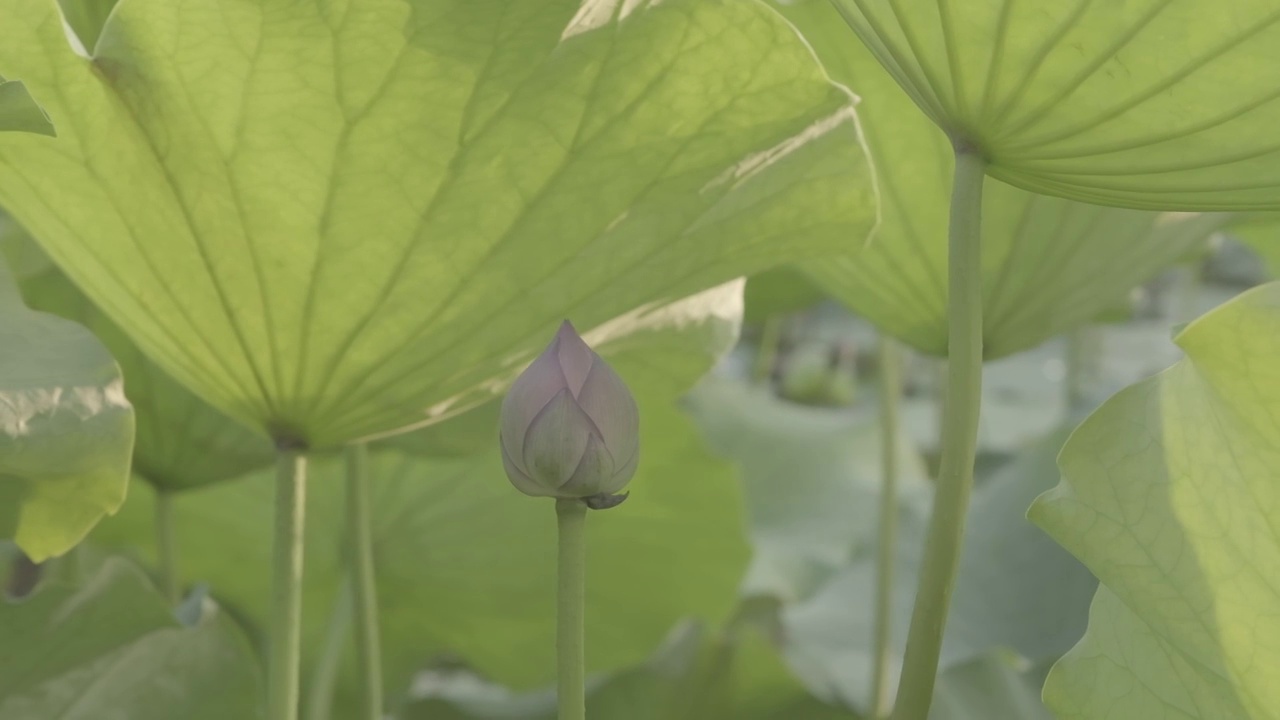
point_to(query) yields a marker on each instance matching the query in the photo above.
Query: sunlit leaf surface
(1168, 495)
(334, 220)
(1049, 264)
(1144, 103)
(181, 441)
(66, 429)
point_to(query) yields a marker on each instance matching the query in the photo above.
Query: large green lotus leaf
(181, 441)
(465, 563)
(66, 429)
(1169, 496)
(19, 112)
(111, 648)
(1048, 264)
(335, 220)
(1144, 103)
(777, 291)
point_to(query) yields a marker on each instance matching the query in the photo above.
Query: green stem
(767, 355)
(959, 442)
(571, 517)
(364, 589)
(286, 587)
(325, 675)
(167, 547)
(890, 392)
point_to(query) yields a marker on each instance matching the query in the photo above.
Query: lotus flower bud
(570, 428)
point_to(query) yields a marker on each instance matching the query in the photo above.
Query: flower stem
(959, 441)
(286, 587)
(324, 677)
(167, 547)
(571, 517)
(364, 588)
(890, 391)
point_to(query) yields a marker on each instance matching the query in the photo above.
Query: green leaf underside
(1168, 495)
(66, 429)
(111, 648)
(19, 112)
(337, 220)
(466, 563)
(1049, 264)
(181, 441)
(1151, 103)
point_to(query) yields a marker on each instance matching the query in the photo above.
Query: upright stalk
(571, 516)
(767, 356)
(286, 587)
(324, 677)
(890, 392)
(364, 588)
(959, 441)
(166, 547)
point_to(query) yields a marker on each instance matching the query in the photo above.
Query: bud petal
(594, 471)
(523, 483)
(556, 440)
(527, 397)
(575, 356)
(570, 427)
(610, 405)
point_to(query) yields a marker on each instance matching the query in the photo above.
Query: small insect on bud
(570, 427)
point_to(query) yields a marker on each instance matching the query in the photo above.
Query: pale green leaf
(111, 648)
(1016, 590)
(990, 687)
(1145, 103)
(19, 112)
(1049, 264)
(336, 220)
(66, 429)
(181, 441)
(1168, 495)
(811, 477)
(86, 18)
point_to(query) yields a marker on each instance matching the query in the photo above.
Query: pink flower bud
(570, 427)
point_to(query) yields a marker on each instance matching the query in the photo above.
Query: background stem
(167, 548)
(767, 355)
(959, 442)
(324, 677)
(571, 516)
(890, 392)
(364, 589)
(286, 587)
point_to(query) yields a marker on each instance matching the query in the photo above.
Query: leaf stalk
(959, 441)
